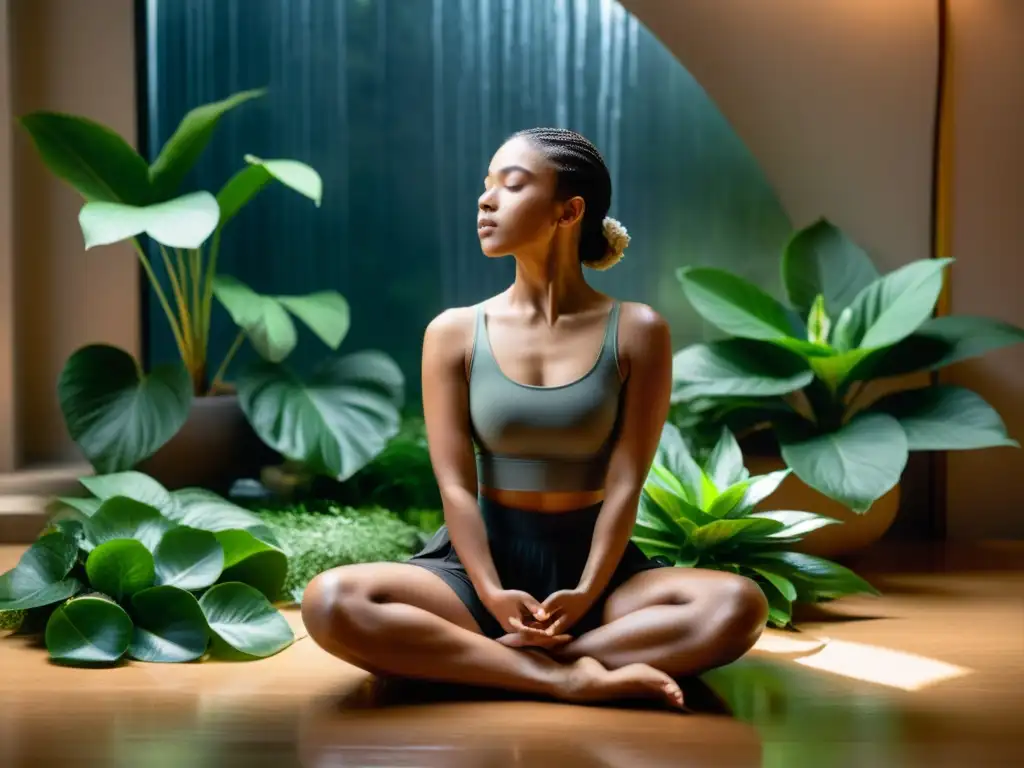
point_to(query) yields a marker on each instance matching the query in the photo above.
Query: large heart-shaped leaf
(122, 518)
(40, 577)
(251, 561)
(326, 314)
(891, 308)
(737, 367)
(241, 619)
(269, 327)
(134, 485)
(188, 558)
(88, 630)
(820, 259)
(116, 414)
(188, 141)
(855, 465)
(91, 158)
(169, 626)
(337, 421)
(939, 342)
(946, 418)
(206, 511)
(184, 222)
(734, 305)
(247, 183)
(120, 568)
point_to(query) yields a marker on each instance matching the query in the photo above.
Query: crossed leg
(398, 619)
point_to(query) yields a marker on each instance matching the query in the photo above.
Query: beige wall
(986, 488)
(8, 408)
(72, 56)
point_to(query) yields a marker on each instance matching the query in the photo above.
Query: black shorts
(536, 552)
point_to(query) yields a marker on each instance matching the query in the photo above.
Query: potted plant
(137, 571)
(805, 372)
(705, 515)
(177, 420)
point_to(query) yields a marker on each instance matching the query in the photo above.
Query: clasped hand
(530, 623)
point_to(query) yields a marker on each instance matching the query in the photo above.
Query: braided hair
(581, 172)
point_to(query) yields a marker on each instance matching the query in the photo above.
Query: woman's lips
(486, 226)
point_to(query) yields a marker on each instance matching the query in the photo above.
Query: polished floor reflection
(930, 675)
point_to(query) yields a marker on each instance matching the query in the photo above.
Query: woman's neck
(551, 284)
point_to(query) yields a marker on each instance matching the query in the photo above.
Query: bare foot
(587, 681)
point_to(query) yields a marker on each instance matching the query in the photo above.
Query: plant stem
(195, 257)
(179, 296)
(227, 360)
(207, 298)
(162, 298)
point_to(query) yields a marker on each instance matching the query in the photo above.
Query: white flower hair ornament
(618, 241)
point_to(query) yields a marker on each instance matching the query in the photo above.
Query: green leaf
(120, 568)
(893, 307)
(40, 577)
(737, 367)
(206, 511)
(122, 518)
(269, 327)
(814, 577)
(88, 630)
(134, 485)
(820, 259)
(188, 558)
(734, 305)
(169, 626)
(725, 464)
(780, 608)
(945, 418)
(719, 532)
(184, 222)
(855, 465)
(94, 160)
(84, 506)
(818, 323)
(781, 583)
(797, 524)
(242, 619)
(759, 488)
(325, 313)
(185, 146)
(666, 506)
(251, 561)
(116, 414)
(247, 183)
(674, 457)
(336, 422)
(728, 501)
(938, 343)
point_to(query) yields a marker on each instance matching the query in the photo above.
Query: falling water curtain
(399, 105)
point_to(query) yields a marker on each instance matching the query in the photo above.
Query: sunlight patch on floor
(883, 666)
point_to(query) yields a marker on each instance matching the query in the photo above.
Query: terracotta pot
(856, 531)
(215, 447)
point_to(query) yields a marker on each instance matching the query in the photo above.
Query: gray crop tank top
(536, 438)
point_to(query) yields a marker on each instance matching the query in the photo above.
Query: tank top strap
(611, 335)
(479, 338)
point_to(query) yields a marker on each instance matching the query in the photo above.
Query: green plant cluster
(157, 576)
(119, 414)
(802, 370)
(706, 516)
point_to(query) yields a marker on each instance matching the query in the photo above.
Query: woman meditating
(544, 407)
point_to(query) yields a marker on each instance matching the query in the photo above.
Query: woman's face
(518, 211)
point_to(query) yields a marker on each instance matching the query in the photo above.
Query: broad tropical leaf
(188, 558)
(855, 465)
(134, 485)
(88, 630)
(946, 418)
(337, 421)
(269, 327)
(41, 575)
(737, 367)
(206, 511)
(183, 149)
(725, 464)
(94, 160)
(674, 456)
(184, 222)
(813, 576)
(325, 313)
(169, 626)
(120, 568)
(122, 518)
(241, 619)
(797, 524)
(822, 260)
(116, 414)
(893, 307)
(251, 561)
(734, 305)
(759, 488)
(716, 533)
(247, 183)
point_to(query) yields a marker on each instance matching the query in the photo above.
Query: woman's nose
(486, 201)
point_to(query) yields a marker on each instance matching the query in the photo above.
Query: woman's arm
(646, 353)
(446, 413)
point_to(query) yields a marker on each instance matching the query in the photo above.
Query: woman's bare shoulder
(642, 330)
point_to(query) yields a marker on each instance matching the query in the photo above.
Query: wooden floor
(930, 675)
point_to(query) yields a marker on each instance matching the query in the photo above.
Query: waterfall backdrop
(399, 105)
